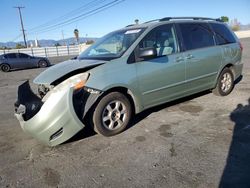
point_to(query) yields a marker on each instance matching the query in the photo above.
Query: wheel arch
(217, 90)
(230, 66)
(135, 104)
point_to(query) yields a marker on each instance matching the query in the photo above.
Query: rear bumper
(238, 68)
(52, 122)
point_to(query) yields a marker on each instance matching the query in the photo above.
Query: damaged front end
(56, 115)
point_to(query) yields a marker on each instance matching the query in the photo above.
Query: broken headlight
(77, 82)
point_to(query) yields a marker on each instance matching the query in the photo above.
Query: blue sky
(38, 12)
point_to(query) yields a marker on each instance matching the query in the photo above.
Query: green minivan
(128, 71)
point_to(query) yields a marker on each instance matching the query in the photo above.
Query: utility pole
(63, 38)
(21, 19)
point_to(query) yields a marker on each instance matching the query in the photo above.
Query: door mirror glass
(147, 53)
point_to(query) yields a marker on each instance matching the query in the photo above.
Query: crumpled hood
(61, 69)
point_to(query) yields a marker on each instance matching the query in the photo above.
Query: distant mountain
(245, 27)
(48, 42)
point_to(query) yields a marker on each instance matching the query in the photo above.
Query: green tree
(89, 42)
(224, 18)
(57, 44)
(4, 48)
(19, 46)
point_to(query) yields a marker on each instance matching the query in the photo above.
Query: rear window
(222, 34)
(196, 35)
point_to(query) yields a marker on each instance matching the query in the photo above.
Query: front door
(12, 60)
(161, 78)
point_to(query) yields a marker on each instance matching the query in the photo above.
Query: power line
(21, 20)
(81, 16)
(71, 20)
(71, 13)
(17, 37)
(77, 18)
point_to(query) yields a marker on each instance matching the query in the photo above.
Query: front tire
(225, 83)
(112, 114)
(5, 68)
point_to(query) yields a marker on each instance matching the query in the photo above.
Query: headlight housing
(77, 82)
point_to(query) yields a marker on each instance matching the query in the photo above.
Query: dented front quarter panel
(117, 73)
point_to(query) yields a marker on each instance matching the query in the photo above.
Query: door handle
(178, 59)
(189, 56)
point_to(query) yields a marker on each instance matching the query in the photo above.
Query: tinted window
(23, 56)
(196, 35)
(11, 56)
(223, 34)
(162, 39)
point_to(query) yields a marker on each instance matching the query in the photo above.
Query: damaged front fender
(84, 99)
(58, 118)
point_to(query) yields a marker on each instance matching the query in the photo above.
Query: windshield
(113, 45)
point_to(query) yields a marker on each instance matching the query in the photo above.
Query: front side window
(196, 35)
(113, 45)
(11, 56)
(162, 39)
(223, 34)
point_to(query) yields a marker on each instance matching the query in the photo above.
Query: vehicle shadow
(139, 117)
(88, 131)
(237, 170)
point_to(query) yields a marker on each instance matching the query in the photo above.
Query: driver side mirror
(148, 53)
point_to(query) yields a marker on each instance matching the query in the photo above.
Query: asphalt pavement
(199, 141)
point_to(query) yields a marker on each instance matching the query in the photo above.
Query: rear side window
(196, 35)
(223, 34)
(23, 55)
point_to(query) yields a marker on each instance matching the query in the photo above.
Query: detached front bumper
(52, 122)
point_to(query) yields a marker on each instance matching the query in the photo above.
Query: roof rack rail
(155, 20)
(189, 18)
(180, 18)
(130, 25)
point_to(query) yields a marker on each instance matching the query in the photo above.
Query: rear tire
(225, 83)
(5, 68)
(42, 64)
(111, 115)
